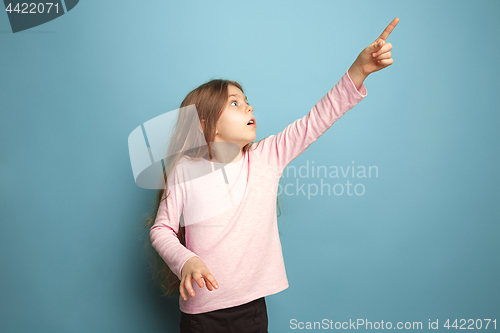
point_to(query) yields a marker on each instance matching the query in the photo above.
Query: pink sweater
(233, 228)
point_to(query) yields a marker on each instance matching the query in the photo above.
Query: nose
(250, 108)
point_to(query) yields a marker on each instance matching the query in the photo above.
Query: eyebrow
(237, 96)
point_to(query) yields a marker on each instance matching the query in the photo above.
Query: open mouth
(252, 123)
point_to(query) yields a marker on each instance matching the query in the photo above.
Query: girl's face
(233, 124)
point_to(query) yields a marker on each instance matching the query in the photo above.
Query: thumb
(377, 45)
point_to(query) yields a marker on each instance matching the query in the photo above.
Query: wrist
(357, 75)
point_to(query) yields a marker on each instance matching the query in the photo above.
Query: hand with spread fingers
(374, 57)
(194, 269)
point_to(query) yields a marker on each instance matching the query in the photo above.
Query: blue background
(422, 241)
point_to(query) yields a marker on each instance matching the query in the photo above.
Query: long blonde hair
(210, 99)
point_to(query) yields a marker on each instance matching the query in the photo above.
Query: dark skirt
(246, 318)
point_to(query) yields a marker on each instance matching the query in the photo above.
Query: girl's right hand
(195, 269)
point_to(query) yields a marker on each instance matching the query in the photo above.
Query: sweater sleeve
(163, 233)
(280, 149)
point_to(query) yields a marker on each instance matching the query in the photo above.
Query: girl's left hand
(376, 56)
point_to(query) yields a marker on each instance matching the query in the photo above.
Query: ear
(201, 126)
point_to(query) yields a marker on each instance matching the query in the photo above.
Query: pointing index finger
(388, 30)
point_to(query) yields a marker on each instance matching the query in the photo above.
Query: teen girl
(215, 224)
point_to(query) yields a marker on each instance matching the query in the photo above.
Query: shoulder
(262, 144)
(176, 172)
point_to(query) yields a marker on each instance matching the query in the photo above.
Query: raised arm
(279, 150)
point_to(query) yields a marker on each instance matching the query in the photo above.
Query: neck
(224, 157)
